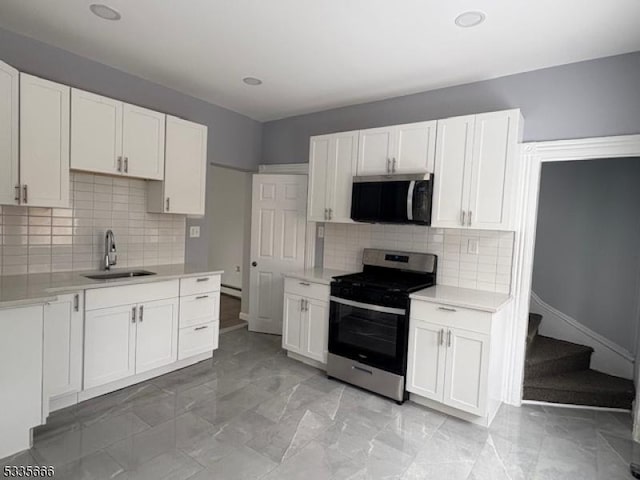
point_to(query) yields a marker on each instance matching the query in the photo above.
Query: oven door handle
(368, 306)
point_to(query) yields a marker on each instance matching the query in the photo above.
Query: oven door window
(376, 338)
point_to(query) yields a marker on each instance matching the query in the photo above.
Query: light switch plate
(321, 231)
(472, 246)
(194, 232)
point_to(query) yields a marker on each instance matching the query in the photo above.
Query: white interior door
(278, 221)
(44, 142)
(9, 80)
(143, 133)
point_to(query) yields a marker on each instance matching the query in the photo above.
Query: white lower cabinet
(199, 315)
(156, 334)
(452, 359)
(63, 333)
(306, 319)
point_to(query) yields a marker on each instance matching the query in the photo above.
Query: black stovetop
(389, 279)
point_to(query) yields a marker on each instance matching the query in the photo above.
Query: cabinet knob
(254, 264)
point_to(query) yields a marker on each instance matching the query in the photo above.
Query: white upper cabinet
(407, 148)
(96, 133)
(332, 165)
(184, 187)
(375, 151)
(475, 170)
(9, 102)
(143, 142)
(44, 142)
(116, 138)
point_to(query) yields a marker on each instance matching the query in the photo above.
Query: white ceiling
(317, 54)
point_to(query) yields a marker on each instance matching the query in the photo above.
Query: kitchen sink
(120, 274)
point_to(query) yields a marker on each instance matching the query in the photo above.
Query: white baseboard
(574, 407)
(285, 168)
(607, 357)
(232, 292)
(244, 316)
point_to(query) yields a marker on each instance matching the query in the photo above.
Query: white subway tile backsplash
(42, 240)
(489, 270)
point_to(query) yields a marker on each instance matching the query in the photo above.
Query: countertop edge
(27, 302)
(461, 304)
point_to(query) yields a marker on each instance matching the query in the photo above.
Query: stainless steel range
(369, 319)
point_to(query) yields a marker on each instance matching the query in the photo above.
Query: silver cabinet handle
(76, 302)
(306, 305)
(204, 279)
(133, 315)
(24, 194)
(440, 337)
(326, 214)
(119, 167)
(470, 213)
(449, 338)
(447, 309)
(330, 213)
(388, 165)
(202, 297)
(393, 166)
(141, 313)
(360, 369)
(463, 216)
(200, 328)
(302, 304)
(126, 164)
(305, 284)
(168, 204)
(17, 195)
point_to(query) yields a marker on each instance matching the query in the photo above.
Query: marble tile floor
(252, 413)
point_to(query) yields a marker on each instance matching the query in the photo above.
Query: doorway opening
(585, 297)
(229, 202)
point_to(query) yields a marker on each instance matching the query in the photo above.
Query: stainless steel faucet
(110, 257)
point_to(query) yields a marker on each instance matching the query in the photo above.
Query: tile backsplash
(42, 240)
(489, 269)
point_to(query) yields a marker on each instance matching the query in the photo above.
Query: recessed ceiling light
(470, 19)
(253, 81)
(105, 12)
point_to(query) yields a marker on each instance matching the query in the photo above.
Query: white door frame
(532, 157)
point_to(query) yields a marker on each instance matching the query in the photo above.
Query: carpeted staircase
(558, 372)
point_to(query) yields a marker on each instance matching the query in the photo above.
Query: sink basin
(121, 274)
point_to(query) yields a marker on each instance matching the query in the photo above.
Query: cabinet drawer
(306, 289)
(130, 294)
(197, 309)
(455, 317)
(203, 284)
(198, 339)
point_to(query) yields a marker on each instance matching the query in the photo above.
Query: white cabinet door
(183, 189)
(415, 147)
(467, 368)
(452, 171)
(316, 330)
(109, 345)
(426, 360)
(492, 174)
(96, 133)
(292, 328)
(318, 195)
(157, 334)
(375, 151)
(9, 120)
(44, 142)
(341, 170)
(143, 132)
(63, 324)
(21, 376)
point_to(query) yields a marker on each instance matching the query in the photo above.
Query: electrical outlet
(321, 231)
(194, 232)
(472, 246)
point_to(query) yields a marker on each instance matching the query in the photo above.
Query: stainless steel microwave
(392, 199)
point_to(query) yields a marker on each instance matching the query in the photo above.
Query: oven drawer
(197, 339)
(306, 289)
(203, 284)
(450, 316)
(196, 309)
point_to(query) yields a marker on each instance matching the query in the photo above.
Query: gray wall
(234, 139)
(586, 99)
(587, 257)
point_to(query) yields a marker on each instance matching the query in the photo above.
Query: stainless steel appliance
(392, 199)
(369, 319)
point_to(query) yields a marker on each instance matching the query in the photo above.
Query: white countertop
(316, 275)
(463, 298)
(18, 290)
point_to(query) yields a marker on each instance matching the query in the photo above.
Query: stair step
(549, 356)
(532, 329)
(586, 387)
